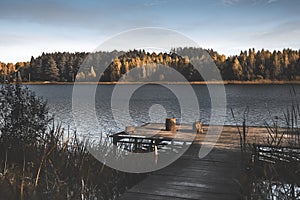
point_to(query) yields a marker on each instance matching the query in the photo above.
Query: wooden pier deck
(214, 177)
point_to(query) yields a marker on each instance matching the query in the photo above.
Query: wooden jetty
(216, 176)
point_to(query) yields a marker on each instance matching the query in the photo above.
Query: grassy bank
(41, 161)
(57, 167)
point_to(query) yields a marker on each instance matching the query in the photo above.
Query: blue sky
(228, 26)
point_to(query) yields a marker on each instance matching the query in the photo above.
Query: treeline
(64, 67)
(47, 67)
(263, 64)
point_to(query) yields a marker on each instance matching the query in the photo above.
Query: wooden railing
(140, 142)
(275, 154)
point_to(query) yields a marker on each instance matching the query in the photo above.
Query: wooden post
(255, 154)
(197, 127)
(129, 129)
(171, 124)
(244, 135)
(115, 139)
(155, 152)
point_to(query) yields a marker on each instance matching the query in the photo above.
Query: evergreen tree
(50, 70)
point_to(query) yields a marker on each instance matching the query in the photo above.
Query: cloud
(283, 35)
(92, 15)
(230, 2)
(238, 23)
(272, 1)
(248, 2)
(48, 13)
(10, 39)
(281, 29)
(154, 3)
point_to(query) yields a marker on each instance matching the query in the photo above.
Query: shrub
(23, 115)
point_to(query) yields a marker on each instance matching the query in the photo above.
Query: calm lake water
(264, 102)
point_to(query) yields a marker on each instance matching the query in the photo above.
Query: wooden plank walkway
(213, 177)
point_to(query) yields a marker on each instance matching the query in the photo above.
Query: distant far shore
(231, 82)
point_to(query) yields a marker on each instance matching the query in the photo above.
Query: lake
(264, 102)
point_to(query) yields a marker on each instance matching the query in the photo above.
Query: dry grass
(57, 167)
(272, 169)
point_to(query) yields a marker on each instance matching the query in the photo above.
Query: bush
(23, 115)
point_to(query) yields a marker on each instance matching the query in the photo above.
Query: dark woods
(63, 67)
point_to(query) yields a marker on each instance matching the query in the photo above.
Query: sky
(29, 28)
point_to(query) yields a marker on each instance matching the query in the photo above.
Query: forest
(250, 65)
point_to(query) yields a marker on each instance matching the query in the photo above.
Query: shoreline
(260, 82)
